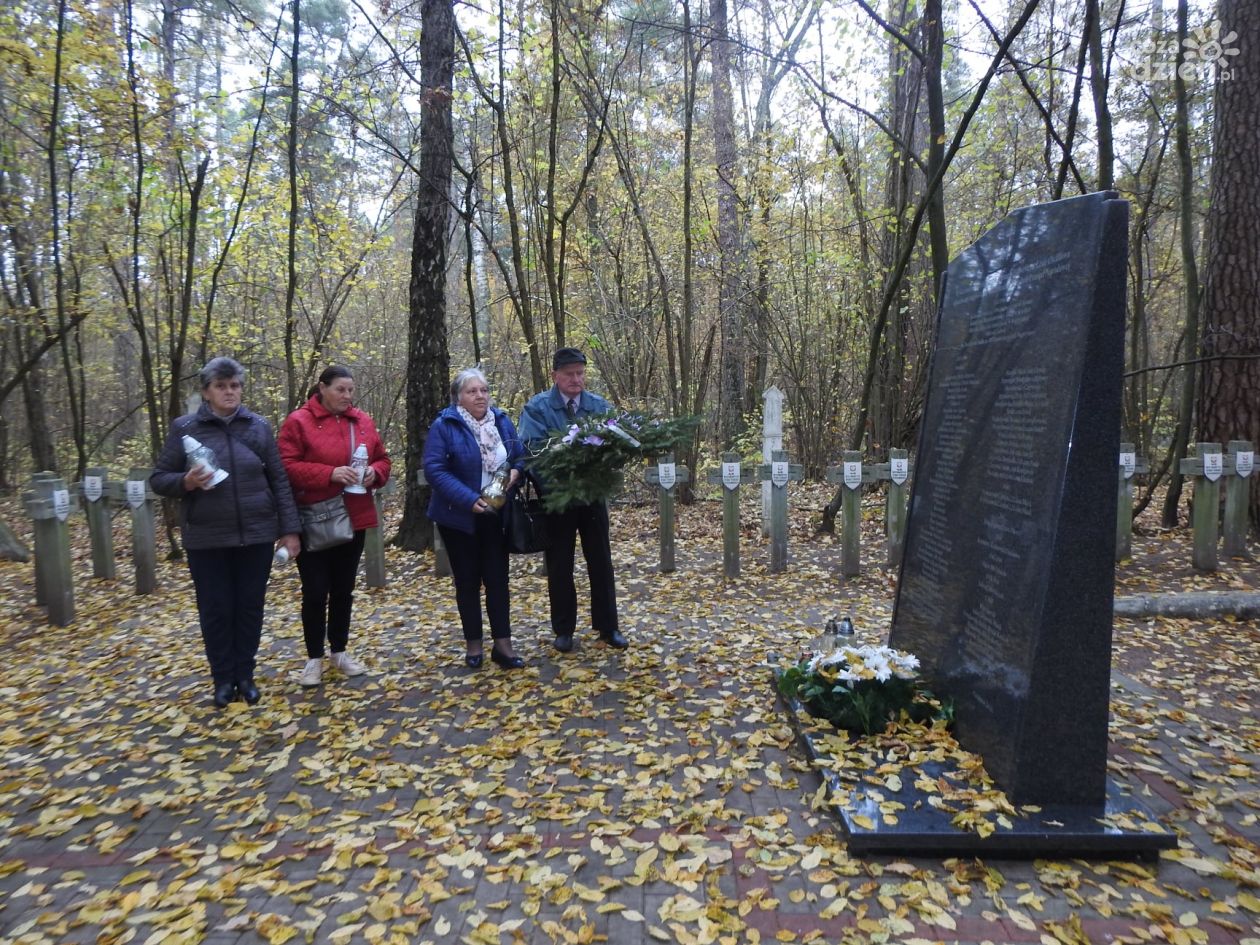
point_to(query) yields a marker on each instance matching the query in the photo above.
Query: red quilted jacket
(313, 442)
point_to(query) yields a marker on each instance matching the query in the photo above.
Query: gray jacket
(254, 505)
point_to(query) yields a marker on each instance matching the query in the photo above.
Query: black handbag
(325, 524)
(525, 522)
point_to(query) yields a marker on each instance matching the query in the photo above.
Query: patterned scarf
(487, 436)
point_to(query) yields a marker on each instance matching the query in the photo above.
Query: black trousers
(328, 578)
(476, 560)
(590, 522)
(231, 585)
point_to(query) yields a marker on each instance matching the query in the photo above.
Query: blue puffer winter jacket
(452, 466)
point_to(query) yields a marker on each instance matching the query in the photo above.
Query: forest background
(708, 196)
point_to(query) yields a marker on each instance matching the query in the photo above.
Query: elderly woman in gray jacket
(231, 526)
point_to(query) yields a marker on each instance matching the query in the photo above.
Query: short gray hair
(221, 369)
(463, 377)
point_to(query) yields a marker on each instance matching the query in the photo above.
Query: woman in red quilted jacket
(317, 442)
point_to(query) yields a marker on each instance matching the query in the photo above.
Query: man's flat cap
(566, 356)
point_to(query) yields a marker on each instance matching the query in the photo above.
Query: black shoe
(507, 662)
(224, 693)
(615, 640)
(249, 692)
(473, 660)
(564, 642)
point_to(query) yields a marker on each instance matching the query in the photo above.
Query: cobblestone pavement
(651, 794)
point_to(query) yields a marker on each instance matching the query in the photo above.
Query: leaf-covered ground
(652, 794)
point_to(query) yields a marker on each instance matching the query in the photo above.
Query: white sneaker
(312, 673)
(348, 665)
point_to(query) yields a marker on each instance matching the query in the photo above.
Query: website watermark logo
(1202, 50)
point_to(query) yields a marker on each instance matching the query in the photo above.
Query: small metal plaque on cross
(666, 473)
(899, 469)
(1213, 466)
(779, 471)
(1209, 462)
(1244, 462)
(732, 473)
(857, 472)
(1128, 462)
(136, 493)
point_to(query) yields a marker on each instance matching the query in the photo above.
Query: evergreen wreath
(582, 464)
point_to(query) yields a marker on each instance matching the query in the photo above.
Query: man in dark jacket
(230, 528)
(544, 414)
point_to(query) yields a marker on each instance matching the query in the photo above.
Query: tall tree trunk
(1098, 86)
(1069, 136)
(225, 244)
(179, 331)
(6, 480)
(1190, 271)
(130, 284)
(74, 391)
(1229, 408)
(1138, 422)
(476, 279)
(679, 353)
(904, 185)
(730, 262)
(471, 262)
(30, 296)
(290, 289)
(892, 282)
(428, 364)
(681, 360)
(516, 279)
(551, 224)
(39, 436)
(1138, 425)
(778, 63)
(933, 50)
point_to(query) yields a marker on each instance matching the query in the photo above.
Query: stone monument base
(1122, 829)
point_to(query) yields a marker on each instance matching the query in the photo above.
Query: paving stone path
(651, 794)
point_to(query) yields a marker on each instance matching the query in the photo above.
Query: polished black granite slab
(1006, 583)
(1120, 828)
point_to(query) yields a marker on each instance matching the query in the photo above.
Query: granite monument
(1007, 573)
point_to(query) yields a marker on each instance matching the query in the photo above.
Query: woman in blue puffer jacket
(468, 444)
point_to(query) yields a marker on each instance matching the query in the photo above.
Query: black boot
(615, 640)
(249, 692)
